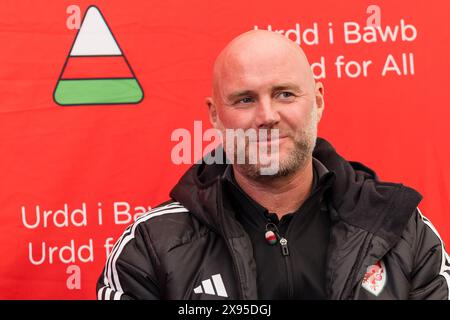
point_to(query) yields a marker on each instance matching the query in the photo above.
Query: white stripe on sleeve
(445, 262)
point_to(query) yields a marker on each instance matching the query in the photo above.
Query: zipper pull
(284, 247)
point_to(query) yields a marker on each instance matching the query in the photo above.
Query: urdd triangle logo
(96, 71)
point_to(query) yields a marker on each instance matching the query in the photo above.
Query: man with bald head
(316, 227)
(262, 80)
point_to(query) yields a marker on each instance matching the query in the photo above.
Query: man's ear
(212, 111)
(320, 102)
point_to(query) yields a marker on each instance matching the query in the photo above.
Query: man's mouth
(270, 139)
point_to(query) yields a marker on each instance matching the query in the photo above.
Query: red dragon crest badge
(375, 278)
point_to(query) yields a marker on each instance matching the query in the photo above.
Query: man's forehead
(260, 56)
(253, 56)
(272, 80)
(261, 74)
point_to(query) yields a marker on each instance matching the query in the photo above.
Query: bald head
(256, 53)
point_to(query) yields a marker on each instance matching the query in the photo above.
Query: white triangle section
(94, 37)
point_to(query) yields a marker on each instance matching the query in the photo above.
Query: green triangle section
(98, 91)
(96, 72)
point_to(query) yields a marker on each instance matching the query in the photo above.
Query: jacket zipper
(285, 253)
(233, 257)
(349, 287)
(284, 246)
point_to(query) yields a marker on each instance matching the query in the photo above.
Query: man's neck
(280, 195)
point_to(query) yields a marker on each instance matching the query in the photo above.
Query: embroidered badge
(375, 278)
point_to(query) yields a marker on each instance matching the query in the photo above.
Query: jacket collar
(356, 196)
(362, 200)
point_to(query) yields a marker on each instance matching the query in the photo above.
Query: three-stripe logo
(208, 286)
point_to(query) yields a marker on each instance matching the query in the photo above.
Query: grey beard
(296, 160)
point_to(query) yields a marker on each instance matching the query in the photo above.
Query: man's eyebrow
(287, 86)
(283, 86)
(240, 94)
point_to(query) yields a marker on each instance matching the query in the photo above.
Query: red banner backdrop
(85, 126)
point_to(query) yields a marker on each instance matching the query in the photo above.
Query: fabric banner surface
(92, 91)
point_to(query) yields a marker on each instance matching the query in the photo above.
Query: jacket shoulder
(168, 225)
(431, 263)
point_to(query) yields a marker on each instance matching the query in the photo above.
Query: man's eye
(285, 95)
(246, 100)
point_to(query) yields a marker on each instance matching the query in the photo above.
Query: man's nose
(266, 114)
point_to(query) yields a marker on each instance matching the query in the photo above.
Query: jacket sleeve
(430, 277)
(129, 272)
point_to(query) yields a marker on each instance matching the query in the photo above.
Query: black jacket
(192, 247)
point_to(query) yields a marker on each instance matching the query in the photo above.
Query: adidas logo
(208, 286)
